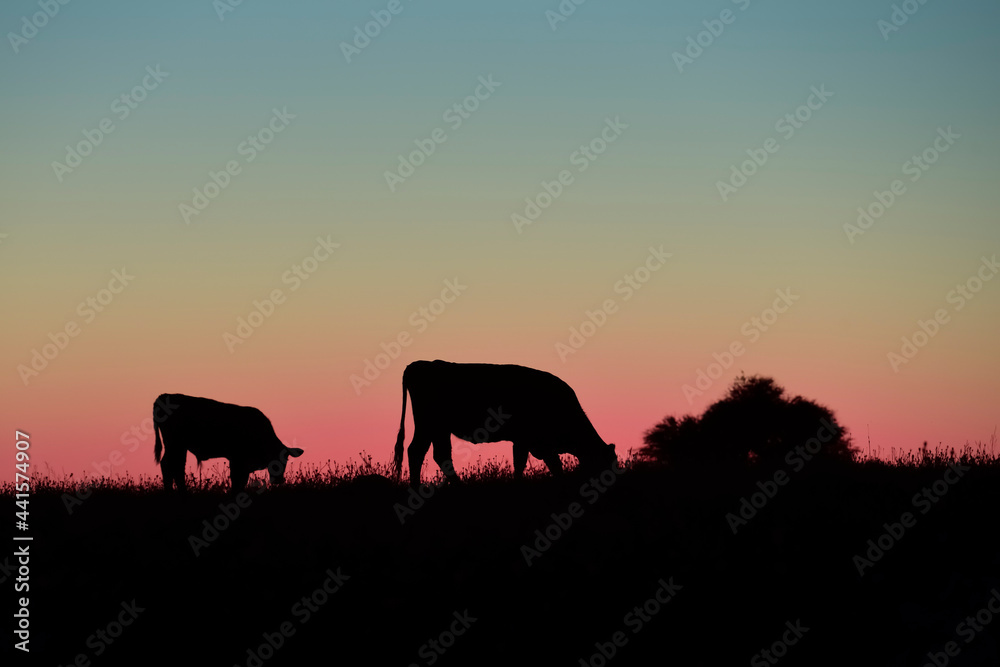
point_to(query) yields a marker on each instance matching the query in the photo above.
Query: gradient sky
(656, 185)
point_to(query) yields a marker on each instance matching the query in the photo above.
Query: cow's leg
(179, 471)
(416, 452)
(520, 459)
(172, 468)
(238, 477)
(168, 477)
(442, 456)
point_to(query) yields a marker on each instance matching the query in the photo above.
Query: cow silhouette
(539, 413)
(210, 429)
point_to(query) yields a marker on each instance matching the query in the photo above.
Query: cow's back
(460, 397)
(211, 429)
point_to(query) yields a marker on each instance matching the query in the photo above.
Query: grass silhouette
(462, 548)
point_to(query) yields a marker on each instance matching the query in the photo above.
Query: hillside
(402, 575)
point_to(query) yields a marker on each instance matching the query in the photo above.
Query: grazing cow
(535, 410)
(210, 429)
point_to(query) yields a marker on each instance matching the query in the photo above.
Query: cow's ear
(294, 451)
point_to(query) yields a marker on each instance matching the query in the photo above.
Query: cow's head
(276, 468)
(601, 457)
(608, 456)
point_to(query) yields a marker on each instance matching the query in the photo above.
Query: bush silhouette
(755, 421)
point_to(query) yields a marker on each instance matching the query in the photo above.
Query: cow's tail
(397, 460)
(158, 446)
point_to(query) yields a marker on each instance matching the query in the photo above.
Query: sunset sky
(650, 133)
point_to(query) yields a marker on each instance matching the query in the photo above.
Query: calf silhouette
(210, 429)
(535, 410)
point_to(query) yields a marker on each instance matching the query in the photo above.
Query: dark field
(398, 586)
